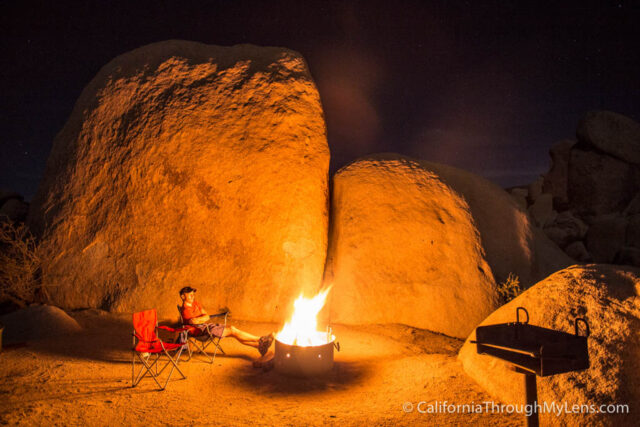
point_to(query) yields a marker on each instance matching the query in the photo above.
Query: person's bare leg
(242, 336)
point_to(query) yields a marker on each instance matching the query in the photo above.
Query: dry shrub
(20, 264)
(509, 289)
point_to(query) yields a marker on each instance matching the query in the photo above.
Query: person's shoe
(264, 343)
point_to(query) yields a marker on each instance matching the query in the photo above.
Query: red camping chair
(201, 340)
(146, 345)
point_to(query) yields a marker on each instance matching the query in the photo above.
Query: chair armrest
(141, 340)
(170, 329)
(222, 313)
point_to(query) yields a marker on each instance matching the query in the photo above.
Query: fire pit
(305, 361)
(301, 349)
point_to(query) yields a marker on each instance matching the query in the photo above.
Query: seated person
(194, 315)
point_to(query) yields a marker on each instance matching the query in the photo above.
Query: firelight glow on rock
(302, 329)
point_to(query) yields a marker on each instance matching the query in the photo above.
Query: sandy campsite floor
(85, 379)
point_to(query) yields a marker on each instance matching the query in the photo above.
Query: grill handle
(518, 315)
(586, 326)
(336, 344)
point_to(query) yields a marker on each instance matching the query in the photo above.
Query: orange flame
(302, 328)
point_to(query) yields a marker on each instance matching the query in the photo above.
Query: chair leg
(217, 344)
(201, 347)
(175, 366)
(147, 369)
(203, 350)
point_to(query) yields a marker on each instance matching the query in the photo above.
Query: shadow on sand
(108, 340)
(343, 376)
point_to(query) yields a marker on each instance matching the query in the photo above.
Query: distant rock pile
(12, 206)
(589, 201)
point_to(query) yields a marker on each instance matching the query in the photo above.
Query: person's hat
(186, 290)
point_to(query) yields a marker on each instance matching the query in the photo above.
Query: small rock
(38, 322)
(15, 209)
(565, 229)
(7, 195)
(578, 251)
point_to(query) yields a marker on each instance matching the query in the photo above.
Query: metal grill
(535, 351)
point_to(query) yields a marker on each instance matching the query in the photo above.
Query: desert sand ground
(85, 379)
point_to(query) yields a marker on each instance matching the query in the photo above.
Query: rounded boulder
(188, 164)
(404, 248)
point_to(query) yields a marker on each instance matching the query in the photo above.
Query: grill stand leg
(531, 394)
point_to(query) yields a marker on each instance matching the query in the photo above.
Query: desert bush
(20, 264)
(509, 289)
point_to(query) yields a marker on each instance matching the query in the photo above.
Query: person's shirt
(190, 312)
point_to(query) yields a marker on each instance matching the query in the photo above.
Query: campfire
(301, 349)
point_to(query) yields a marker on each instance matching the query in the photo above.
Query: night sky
(488, 86)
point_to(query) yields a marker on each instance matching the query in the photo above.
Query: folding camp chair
(146, 345)
(202, 339)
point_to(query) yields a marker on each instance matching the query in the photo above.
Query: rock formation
(419, 243)
(595, 186)
(598, 183)
(188, 164)
(404, 248)
(609, 298)
(611, 133)
(566, 229)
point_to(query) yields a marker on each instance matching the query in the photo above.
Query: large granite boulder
(188, 164)
(609, 298)
(611, 133)
(404, 248)
(599, 184)
(555, 181)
